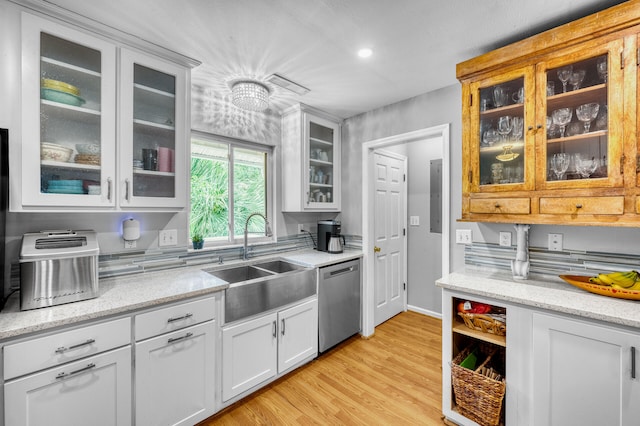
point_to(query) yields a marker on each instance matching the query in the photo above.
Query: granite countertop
(124, 294)
(543, 291)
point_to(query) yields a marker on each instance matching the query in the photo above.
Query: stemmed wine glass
(517, 128)
(562, 117)
(602, 68)
(576, 78)
(586, 113)
(560, 164)
(564, 74)
(585, 165)
(505, 125)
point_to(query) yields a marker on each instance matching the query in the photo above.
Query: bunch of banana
(629, 280)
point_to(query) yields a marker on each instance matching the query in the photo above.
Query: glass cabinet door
(152, 124)
(581, 149)
(323, 159)
(500, 142)
(69, 117)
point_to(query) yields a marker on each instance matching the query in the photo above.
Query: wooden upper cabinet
(555, 117)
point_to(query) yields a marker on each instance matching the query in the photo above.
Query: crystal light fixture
(250, 95)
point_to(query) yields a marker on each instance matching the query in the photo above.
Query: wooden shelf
(460, 328)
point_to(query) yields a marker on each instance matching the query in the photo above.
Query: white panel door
(584, 374)
(298, 334)
(249, 354)
(93, 391)
(175, 377)
(389, 228)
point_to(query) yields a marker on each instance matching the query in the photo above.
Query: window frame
(232, 240)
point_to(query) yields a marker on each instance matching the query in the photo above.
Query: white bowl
(88, 148)
(55, 152)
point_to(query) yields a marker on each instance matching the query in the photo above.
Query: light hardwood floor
(393, 378)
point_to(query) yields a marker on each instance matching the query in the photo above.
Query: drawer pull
(497, 206)
(633, 362)
(63, 374)
(176, 339)
(578, 206)
(185, 316)
(63, 349)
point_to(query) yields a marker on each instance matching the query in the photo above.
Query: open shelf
(460, 328)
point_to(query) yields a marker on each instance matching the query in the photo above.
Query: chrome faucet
(267, 232)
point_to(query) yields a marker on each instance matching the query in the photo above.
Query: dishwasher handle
(341, 271)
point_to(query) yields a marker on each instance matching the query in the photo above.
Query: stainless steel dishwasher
(338, 303)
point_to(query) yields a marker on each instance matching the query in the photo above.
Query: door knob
(376, 249)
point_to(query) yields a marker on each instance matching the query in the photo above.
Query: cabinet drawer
(174, 318)
(582, 205)
(500, 205)
(44, 352)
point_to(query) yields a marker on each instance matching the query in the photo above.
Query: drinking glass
(585, 165)
(505, 125)
(576, 78)
(490, 137)
(603, 69)
(500, 96)
(586, 113)
(517, 128)
(564, 74)
(562, 117)
(560, 164)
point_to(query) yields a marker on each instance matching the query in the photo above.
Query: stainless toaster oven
(58, 267)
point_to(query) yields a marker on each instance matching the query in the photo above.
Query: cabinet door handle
(63, 349)
(63, 374)
(275, 333)
(126, 189)
(109, 189)
(283, 326)
(177, 339)
(185, 316)
(633, 362)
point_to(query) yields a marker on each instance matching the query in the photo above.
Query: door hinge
(622, 164)
(404, 178)
(470, 176)
(404, 232)
(621, 60)
(471, 99)
(638, 56)
(638, 163)
(404, 286)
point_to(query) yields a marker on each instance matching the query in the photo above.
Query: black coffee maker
(327, 228)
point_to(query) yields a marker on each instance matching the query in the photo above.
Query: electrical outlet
(414, 220)
(463, 236)
(555, 242)
(505, 239)
(168, 237)
(300, 228)
(129, 244)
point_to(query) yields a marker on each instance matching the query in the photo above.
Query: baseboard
(424, 311)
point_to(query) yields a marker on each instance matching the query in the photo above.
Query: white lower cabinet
(93, 391)
(175, 371)
(174, 375)
(584, 373)
(256, 350)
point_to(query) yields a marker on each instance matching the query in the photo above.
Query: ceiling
(416, 43)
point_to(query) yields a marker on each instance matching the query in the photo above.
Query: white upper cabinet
(91, 111)
(152, 132)
(311, 154)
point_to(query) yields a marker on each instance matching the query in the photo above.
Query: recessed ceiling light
(365, 52)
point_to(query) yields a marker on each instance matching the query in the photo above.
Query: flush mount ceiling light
(365, 52)
(250, 95)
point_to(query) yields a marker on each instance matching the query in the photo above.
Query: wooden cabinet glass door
(501, 145)
(580, 90)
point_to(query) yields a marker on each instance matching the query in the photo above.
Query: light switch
(414, 220)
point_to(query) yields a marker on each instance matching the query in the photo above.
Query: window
(229, 181)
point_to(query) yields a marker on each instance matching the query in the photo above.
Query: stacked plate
(65, 187)
(59, 91)
(55, 152)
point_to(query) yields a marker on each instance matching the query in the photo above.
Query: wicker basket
(484, 323)
(477, 397)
